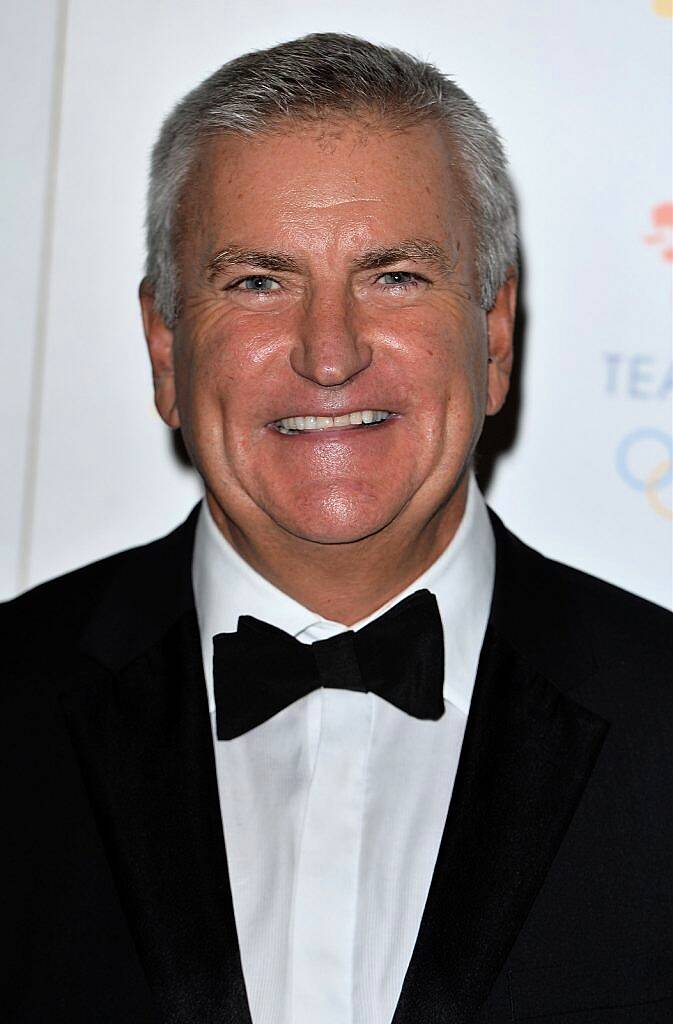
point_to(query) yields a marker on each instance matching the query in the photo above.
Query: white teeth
(294, 424)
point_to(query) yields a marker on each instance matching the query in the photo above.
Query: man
(340, 748)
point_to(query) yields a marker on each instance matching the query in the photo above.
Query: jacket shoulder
(52, 616)
(620, 616)
(64, 599)
(583, 619)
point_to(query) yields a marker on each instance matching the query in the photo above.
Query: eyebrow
(232, 255)
(414, 249)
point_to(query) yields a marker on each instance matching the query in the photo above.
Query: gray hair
(310, 78)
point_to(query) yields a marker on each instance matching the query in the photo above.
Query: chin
(337, 518)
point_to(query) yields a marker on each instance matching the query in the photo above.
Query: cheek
(455, 368)
(223, 365)
(204, 382)
(455, 401)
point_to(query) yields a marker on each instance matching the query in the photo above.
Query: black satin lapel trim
(527, 755)
(144, 743)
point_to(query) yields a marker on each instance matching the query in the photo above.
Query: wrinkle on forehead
(324, 235)
(337, 202)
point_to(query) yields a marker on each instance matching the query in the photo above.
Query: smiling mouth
(309, 424)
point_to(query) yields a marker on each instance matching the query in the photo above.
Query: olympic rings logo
(654, 448)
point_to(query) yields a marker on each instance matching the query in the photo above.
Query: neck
(346, 582)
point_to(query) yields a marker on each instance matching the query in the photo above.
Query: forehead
(337, 182)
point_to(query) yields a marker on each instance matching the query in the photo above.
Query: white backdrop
(580, 92)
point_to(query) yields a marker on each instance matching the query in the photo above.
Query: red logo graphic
(663, 7)
(662, 222)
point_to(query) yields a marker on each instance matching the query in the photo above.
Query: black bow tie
(260, 669)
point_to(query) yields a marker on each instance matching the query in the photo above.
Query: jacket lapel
(527, 755)
(141, 730)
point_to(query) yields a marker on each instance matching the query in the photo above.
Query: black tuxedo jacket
(551, 896)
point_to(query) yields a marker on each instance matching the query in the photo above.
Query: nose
(329, 348)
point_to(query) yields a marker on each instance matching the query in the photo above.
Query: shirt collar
(461, 578)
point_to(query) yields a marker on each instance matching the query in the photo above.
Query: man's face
(328, 271)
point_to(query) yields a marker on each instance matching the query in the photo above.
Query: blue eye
(399, 279)
(259, 283)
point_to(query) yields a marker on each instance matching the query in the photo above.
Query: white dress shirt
(333, 809)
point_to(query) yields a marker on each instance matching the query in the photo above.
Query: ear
(500, 325)
(159, 339)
